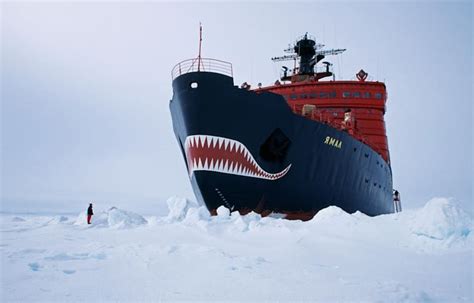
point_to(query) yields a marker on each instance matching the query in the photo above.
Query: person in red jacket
(90, 212)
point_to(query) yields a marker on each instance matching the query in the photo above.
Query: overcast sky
(86, 86)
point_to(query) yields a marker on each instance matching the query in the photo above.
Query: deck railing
(202, 65)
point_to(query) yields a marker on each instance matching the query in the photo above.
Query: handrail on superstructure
(202, 65)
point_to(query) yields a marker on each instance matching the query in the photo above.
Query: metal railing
(202, 65)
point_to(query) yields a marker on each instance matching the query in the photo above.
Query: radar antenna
(309, 53)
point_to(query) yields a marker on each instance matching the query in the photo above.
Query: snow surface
(423, 255)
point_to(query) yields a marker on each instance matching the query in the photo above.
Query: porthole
(194, 85)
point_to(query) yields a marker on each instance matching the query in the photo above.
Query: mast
(200, 43)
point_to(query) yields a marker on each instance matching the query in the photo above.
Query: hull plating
(223, 130)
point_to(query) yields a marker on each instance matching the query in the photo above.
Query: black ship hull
(281, 162)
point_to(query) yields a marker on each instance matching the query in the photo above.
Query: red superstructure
(357, 107)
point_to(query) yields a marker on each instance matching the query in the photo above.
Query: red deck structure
(357, 107)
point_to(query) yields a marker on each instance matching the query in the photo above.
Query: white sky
(86, 86)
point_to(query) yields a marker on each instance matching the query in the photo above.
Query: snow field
(422, 255)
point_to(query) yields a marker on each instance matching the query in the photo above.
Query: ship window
(378, 95)
(356, 95)
(332, 95)
(366, 95)
(346, 94)
(303, 96)
(323, 95)
(313, 95)
(194, 85)
(293, 96)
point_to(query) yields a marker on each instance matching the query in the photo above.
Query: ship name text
(333, 142)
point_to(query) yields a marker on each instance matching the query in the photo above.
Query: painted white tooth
(220, 141)
(202, 138)
(240, 168)
(226, 143)
(221, 165)
(208, 141)
(211, 165)
(241, 149)
(232, 144)
(226, 166)
(215, 141)
(194, 164)
(199, 164)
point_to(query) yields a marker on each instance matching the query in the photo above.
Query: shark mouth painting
(223, 155)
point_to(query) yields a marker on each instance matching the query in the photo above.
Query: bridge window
(346, 94)
(356, 95)
(378, 96)
(332, 95)
(303, 96)
(323, 95)
(293, 96)
(367, 95)
(313, 95)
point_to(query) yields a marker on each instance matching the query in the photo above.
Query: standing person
(396, 200)
(90, 212)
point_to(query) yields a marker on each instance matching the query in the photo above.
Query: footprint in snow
(34, 266)
(69, 271)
